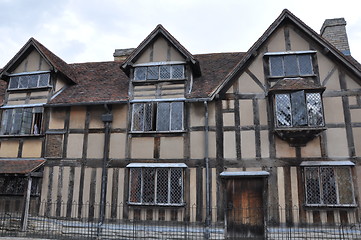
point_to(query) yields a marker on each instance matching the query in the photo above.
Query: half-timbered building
(163, 134)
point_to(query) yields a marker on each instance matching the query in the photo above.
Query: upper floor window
(159, 72)
(329, 186)
(157, 116)
(28, 81)
(22, 121)
(290, 64)
(299, 109)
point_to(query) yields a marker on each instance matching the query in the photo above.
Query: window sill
(157, 132)
(159, 80)
(155, 205)
(330, 206)
(29, 89)
(23, 136)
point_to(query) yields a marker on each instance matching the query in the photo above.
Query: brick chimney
(334, 31)
(121, 54)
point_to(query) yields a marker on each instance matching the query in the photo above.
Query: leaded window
(157, 116)
(12, 185)
(21, 121)
(161, 72)
(299, 109)
(29, 81)
(291, 65)
(156, 186)
(329, 186)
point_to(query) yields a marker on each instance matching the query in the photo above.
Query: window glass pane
(312, 185)
(164, 72)
(44, 80)
(177, 71)
(299, 112)
(24, 82)
(314, 108)
(305, 63)
(176, 188)
(135, 184)
(291, 65)
(140, 73)
(149, 117)
(177, 116)
(163, 116)
(283, 110)
(328, 181)
(153, 73)
(27, 121)
(162, 185)
(138, 117)
(276, 66)
(344, 184)
(17, 120)
(33, 81)
(148, 185)
(6, 121)
(14, 82)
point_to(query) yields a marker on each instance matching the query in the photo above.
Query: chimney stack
(121, 54)
(334, 31)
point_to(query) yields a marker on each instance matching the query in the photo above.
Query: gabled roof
(54, 61)
(160, 30)
(287, 16)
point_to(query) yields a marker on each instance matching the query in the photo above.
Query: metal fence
(237, 224)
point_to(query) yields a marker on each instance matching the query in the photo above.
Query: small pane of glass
(163, 116)
(328, 181)
(344, 183)
(283, 110)
(276, 66)
(14, 82)
(291, 65)
(162, 185)
(135, 183)
(153, 73)
(148, 185)
(138, 117)
(140, 73)
(44, 80)
(312, 185)
(176, 187)
(33, 81)
(314, 109)
(177, 71)
(24, 81)
(305, 63)
(164, 72)
(176, 116)
(299, 111)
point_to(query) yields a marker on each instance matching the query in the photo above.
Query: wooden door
(245, 210)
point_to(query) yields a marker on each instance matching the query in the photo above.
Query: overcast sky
(90, 30)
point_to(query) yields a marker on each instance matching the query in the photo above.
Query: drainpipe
(206, 159)
(107, 118)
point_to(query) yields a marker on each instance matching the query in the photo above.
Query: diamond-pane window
(153, 73)
(157, 116)
(329, 186)
(164, 72)
(29, 81)
(299, 109)
(140, 73)
(177, 71)
(21, 121)
(156, 186)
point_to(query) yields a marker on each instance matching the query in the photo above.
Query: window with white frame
(329, 186)
(290, 65)
(157, 116)
(299, 109)
(159, 72)
(156, 186)
(27, 81)
(22, 121)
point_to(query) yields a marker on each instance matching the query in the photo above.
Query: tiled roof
(19, 166)
(97, 82)
(102, 82)
(295, 84)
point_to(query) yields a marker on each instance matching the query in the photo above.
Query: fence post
(25, 213)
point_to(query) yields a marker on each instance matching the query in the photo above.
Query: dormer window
(29, 80)
(159, 72)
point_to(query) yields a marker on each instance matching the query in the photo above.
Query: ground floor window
(329, 186)
(12, 185)
(156, 186)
